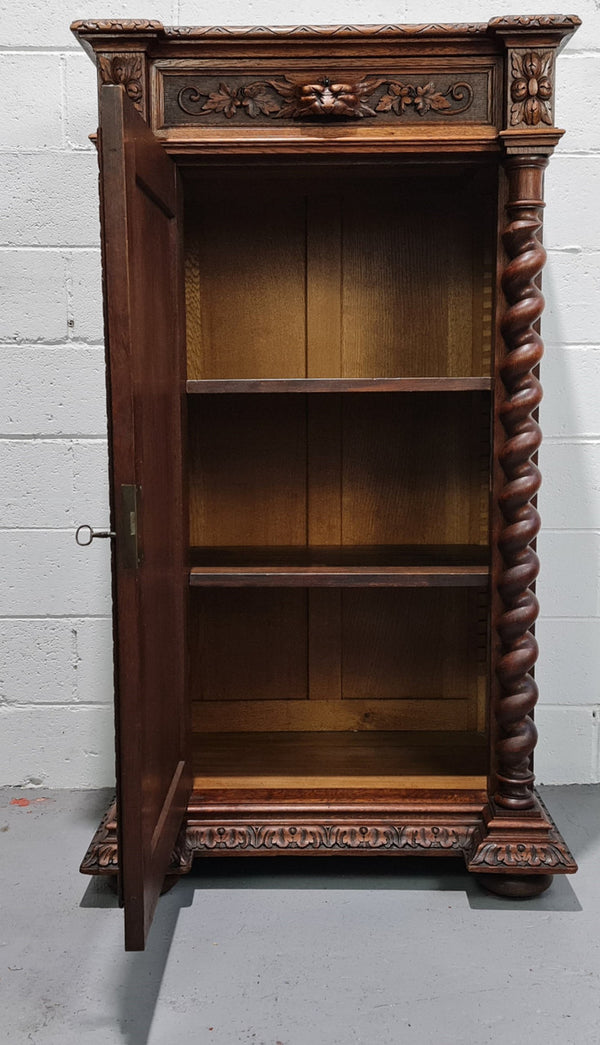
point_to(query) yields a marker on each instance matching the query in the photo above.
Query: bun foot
(515, 886)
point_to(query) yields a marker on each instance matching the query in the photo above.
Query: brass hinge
(127, 531)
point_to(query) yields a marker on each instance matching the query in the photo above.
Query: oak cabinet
(322, 256)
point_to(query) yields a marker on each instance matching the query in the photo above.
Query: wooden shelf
(341, 384)
(380, 567)
(332, 760)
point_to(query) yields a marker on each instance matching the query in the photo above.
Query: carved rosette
(518, 692)
(531, 88)
(126, 69)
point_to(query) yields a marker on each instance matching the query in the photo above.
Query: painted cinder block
(57, 746)
(571, 380)
(38, 385)
(85, 295)
(46, 573)
(49, 22)
(568, 179)
(49, 199)
(572, 314)
(37, 483)
(56, 661)
(37, 661)
(570, 493)
(93, 645)
(33, 293)
(81, 102)
(568, 747)
(90, 483)
(568, 669)
(568, 585)
(31, 114)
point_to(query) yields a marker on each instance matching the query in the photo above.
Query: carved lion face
(328, 99)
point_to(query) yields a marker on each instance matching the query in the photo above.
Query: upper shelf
(343, 384)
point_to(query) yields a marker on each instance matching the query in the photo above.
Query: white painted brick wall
(55, 632)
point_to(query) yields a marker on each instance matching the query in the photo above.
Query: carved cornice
(286, 98)
(566, 23)
(117, 25)
(344, 31)
(535, 22)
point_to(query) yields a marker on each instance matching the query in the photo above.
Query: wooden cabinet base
(512, 856)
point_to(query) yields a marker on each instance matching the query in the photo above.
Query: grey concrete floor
(290, 951)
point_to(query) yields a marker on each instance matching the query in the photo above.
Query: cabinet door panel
(146, 371)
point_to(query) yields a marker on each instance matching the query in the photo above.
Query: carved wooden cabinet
(322, 256)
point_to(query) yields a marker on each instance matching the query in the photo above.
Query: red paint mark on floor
(20, 802)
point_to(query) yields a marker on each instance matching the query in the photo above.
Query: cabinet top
(475, 86)
(563, 25)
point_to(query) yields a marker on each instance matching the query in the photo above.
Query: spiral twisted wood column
(517, 734)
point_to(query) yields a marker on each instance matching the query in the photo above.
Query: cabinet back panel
(337, 276)
(247, 470)
(378, 469)
(245, 276)
(255, 667)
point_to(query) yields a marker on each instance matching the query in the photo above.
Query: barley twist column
(516, 732)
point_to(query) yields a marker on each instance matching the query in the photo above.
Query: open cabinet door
(144, 319)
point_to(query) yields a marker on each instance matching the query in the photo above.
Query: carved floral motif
(324, 98)
(522, 855)
(102, 856)
(126, 69)
(327, 837)
(531, 88)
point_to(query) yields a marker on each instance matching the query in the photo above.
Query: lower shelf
(432, 760)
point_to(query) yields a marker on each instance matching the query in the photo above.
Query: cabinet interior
(339, 272)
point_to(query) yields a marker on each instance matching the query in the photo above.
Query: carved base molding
(491, 842)
(529, 844)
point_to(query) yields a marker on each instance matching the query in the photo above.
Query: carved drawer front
(212, 95)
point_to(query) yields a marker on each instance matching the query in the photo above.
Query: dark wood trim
(336, 385)
(340, 577)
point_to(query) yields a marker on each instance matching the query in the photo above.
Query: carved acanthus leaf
(126, 69)
(327, 837)
(521, 856)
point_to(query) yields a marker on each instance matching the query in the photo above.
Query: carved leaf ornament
(531, 88)
(125, 69)
(324, 98)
